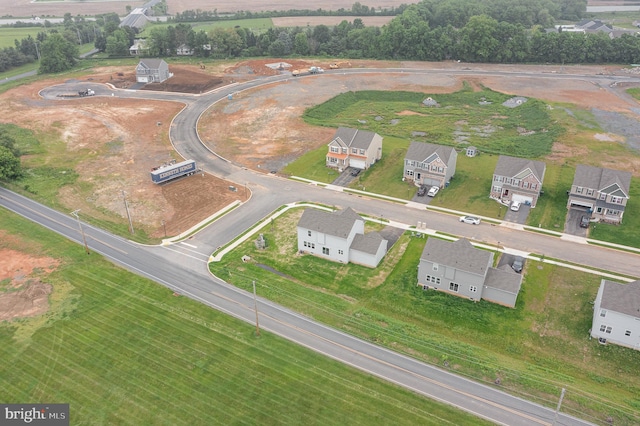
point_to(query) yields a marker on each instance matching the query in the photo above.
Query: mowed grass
(535, 349)
(8, 35)
(123, 350)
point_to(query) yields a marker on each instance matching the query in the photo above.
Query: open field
(534, 349)
(9, 35)
(123, 350)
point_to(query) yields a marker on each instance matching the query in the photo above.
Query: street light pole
(84, 240)
(126, 207)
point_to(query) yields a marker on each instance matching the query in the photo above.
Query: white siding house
(339, 236)
(616, 314)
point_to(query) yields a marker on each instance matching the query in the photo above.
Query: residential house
(139, 47)
(152, 71)
(354, 148)
(429, 164)
(460, 269)
(517, 179)
(137, 18)
(184, 50)
(339, 236)
(601, 192)
(616, 314)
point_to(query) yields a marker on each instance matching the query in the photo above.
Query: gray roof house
(601, 192)
(430, 164)
(354, 148)
(616, 314)
(339, 236)
(460, 269)
(152, 71)
(517, 179)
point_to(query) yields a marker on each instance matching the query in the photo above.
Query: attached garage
(581, 205)
(431, 182)
(358, 164)
(522, 198)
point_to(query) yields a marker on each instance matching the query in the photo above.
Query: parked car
(584, 222)
(515, 206)
(470, 219)
(422, 190)
(517, 264)
(355, 172)
(433, 191)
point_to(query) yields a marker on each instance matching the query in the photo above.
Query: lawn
(123, 350)
(8, 35)
(534, 349)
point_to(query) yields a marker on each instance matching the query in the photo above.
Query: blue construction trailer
(166, 173)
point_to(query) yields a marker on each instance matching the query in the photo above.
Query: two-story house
(339, 236)
(616, 314)
(517, 179)
(460, 269)
(602, 192)
(152, 71)
(354, 148)
(429, 164)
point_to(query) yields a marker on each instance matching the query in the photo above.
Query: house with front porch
(517, 179)
(616, 314)
(339, 236)
(460, 269)
(429, 164)
(152, 71)
(354, 148)
(603, 193)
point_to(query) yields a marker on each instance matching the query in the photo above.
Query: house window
(453, 287)
(590, 192)
(599, 210)
(534, 186)
(333, 160)
(409, 172)
(335, 149)
(432, 279)
(616, 200)
(362, 152)
(603, 196)
(627, 333)
(340, 252)
(603, 313)
(354, 150)
(309, 233)
(435, 266)
(344, 150)
(579, 190)
(325, 250)
(497, 189)
(605, 328)
(473, 289)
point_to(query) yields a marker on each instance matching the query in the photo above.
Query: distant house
(139, 47)
(354, 148)
(601, 192)
(460, 269)
(429, 164)
(616, 314)
(517, 179)
(152, 71)
(137, 18)
(184, 50)
(339, 236)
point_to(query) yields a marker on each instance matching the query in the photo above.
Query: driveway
(507, 259)
(345, 178)
(572, 224)
(518, 217)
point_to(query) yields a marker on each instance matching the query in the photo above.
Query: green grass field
(123, 350)
(8, 35)
(535, 349)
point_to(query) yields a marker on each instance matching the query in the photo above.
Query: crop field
(8, 35)
(523, 347)
(123, 350)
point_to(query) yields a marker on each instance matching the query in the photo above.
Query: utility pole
(84, 240)
(164, 225)
(555, 418)
(255, 303)
(126, 207)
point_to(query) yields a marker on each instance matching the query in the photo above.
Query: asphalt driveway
(572, 223)
(518, 217)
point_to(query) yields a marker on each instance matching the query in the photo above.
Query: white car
(470, 219)
(433, 191)
(515, 206)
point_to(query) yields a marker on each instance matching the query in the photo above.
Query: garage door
(581, 205)
(522, 198)
(143, 79)
(358, 164)
(431, 182)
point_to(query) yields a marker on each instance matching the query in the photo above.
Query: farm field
(525, 348)
(123, 350)
(9, 35)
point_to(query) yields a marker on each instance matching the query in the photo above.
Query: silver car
(470, 219)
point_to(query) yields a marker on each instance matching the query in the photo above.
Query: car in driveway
(422, 190)
(470, 219)
(518, 264)
(355, 172)
(433, 191)
(584, 221)
(515, 206)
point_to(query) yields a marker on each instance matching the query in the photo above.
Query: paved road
(184, 268)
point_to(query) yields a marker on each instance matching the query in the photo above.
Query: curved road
(184, 268)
